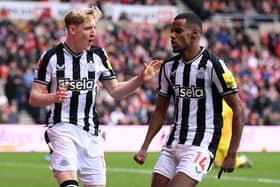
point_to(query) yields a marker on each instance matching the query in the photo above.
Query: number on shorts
(201, 161)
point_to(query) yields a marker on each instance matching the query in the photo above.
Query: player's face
(180, 36)
(85, 34)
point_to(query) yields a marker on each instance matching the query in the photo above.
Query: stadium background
(246, 34)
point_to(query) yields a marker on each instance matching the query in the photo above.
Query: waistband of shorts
(94, 132)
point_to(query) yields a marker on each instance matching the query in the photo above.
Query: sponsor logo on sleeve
(229, 80)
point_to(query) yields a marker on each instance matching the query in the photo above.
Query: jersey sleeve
(42, 73)
(107, 71)
(163, 84)
(223, 78)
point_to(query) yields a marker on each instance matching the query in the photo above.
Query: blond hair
(79, 15)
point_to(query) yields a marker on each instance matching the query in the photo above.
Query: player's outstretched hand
(61, 93)
(150, 69)
(140, 157)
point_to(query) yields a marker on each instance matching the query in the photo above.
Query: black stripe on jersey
(159, 77)
(219, 69)
(217, 103)
(96, 122)
(100, 52)
(170, 89)
(218, 107)
(201, 102)
(60, 75)
(173, 81)
(87, 108)
(215, 141)
(43, 65)
(75, 95)
(172, 134)
(185, 107)
(91, 75)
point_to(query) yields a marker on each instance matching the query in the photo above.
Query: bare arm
(120, 89)
(238, 121)
(39, 95)
(156, 123)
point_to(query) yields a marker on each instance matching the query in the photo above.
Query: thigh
(166, 164)
(94, 185)
(64, 150)
(92, 170)
(181, 179)
(62, 176)
(159, 180)
(63, 156)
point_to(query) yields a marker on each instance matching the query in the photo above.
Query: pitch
(31, 170)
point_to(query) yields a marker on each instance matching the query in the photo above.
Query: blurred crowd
(256, 65)
(133, 2)
(206, 8)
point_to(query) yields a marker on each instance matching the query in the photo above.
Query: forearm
(237, 128)
(41, 99)
(154, 127)
(122, 89)
(125, 88)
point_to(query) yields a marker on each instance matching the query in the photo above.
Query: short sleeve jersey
(197, 87)
(82, 71)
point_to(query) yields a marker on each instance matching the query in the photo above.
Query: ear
(195, 33)
(72, 29)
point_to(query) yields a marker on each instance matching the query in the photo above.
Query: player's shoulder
(49, 53)
(212, 57)
(172, 59)
(96, 49)
(99, 51)
(53, 50)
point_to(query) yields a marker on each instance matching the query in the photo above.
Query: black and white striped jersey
(197, 87)
(60, 65)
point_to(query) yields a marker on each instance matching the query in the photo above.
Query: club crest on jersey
(200, 73)
(77, 85)
(189, 92)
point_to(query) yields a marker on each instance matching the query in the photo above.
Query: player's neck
(71, 45)
(190, 54)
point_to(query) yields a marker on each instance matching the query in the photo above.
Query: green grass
(31, 170)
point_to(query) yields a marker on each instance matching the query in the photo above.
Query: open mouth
(173, 44)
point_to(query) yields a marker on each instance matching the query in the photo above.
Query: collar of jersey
(76, 55)
(194, 58)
